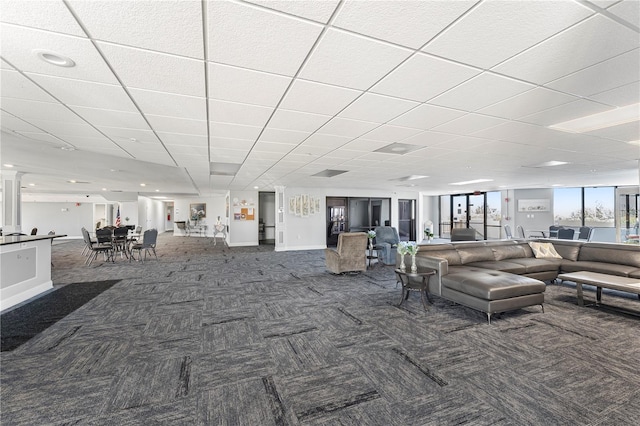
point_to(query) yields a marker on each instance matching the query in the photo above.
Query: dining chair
(103, 245)
(520, 232)
(566, 234)
(120, 241)
(34, 231)
(507, 231)
(553, 231)
(148, 244)
(584, 233)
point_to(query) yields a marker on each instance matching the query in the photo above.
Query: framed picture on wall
(298, 205)
(305, 205)
(292, 205)
(312, 205)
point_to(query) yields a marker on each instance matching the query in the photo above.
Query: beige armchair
(350, 255)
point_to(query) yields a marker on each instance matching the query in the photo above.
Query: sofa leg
(542, 306)
(489, 318)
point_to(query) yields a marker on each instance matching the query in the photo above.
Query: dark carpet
(21, 324)
(209, 335)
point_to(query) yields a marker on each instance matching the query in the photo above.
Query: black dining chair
(34, 231)
(584, 233)
(103, 245)
(120, 241)
(566, 233)
(553, 231)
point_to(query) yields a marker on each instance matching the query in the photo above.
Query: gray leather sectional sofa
(503, 275)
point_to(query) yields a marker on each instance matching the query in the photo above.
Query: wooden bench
(614, 282)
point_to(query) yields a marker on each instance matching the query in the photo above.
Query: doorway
(407, 220)
(469, 211)
(267, 218)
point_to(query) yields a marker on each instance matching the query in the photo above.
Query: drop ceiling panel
(283, 136)
(349, 60)
(237, 113)
(144, 69)
(629, 10)
(426, 117)
(9, 123)
(621, 96)
(170, 104)
(567, 52)
(328, 141)
(624, 132)
(233, 131)
(246, 86)
(86, 93)
(422, 77)
(364, 145)
(347, 128)
(263, 38)
(120, 135)
(469, 123)
(411, 25)
(178, 151)
(42, 137)
(18, 45)
(377, 108)
(109, 118)
(15, 85)
(428, 138)
(36, 110)
(227, 143)
(319, 11)
(532, 101)
(48, 15)
(294, 120)
(565, 112)
(607, 75)
(64, 129)
(318, 98)
(174, 140)
(495, 31)
(388, 133)
(481, 91)
(165, 26)
(226, 155)
(177, 125)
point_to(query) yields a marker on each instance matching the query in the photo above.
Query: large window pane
(567, 206)
(494, 215)
(445, 216)
(599, 209)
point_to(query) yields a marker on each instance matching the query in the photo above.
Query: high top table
(25, 270)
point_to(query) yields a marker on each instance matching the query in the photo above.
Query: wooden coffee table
(600, 281)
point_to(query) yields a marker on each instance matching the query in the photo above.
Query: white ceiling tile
(496, 30)
(63, 129)
(422, 77)
(15, 85)
(103, 117)
(273, 147)
(481, 91)
(623, 132)
(376, 108)
(177, 125)
(426, 117)
(246, 86)
(567, 52)
(468, 124)
(45, 14)
(228, 143)
(237, 113)
(10, 123)
(565, 112)
(226, 155)
(463, 143)
(19, 44)
(162, 72)
(318, 98)
(234, 131)
(170, 104)
(37, 110)
(42, 137)
(410, 23)
(182, 140)
(283, 136)
(429, 138)
(347, 128)
(120, 135)
(294, 120)
(329, 141)
(629, 10)
(532, 101)
(85, 93)
(620, 96)
(319, 11)
(607, 75)
(353, 61)
(364, 145)
(164, 26)
(86, 142)
(264, 36)
(388, 133)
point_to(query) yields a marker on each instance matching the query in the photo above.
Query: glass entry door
(469, 211)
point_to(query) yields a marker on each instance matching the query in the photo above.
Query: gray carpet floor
(208, 335)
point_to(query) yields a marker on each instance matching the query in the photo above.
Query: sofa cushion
(451, 256)
(611, 253)
(532, 264)
(500, 265)
(635, 274)
(502, 252)
(544, 250)
(601, 267)
(567, 249)
(492, 285)
(471, 254)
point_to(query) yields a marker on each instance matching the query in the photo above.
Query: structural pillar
(11, 202)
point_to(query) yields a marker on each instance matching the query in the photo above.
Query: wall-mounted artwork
(197, 211)
(304, 205)
(292, 205)
(543, 205)
(244, 209)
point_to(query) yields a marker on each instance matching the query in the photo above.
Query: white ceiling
(288, 89)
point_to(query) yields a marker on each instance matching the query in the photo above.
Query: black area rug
(24, 322)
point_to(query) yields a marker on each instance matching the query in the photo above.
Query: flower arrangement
(197, 214)
(412, 248)
(371, 234)
(428, 233)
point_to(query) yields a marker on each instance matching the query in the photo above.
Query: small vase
(403, 267)
(370, 244)
(414, 267)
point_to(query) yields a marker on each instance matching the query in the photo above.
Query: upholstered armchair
(386, 244)
(350, 254)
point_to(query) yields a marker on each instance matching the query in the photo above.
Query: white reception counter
(25, 267)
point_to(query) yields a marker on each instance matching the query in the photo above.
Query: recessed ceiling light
(551, 163)
(54, 58)
(157, 190)
(71, 181)
(67, 148)
(468, 182)
(104, 189)
(398, 148)
(602, 120)
(256, 187)
(8, 165)
(143, 184)
(32, 184)
(634, 143)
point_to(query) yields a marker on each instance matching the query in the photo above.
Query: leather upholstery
(386, 243)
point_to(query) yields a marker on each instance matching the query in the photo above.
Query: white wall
(243, 232)
(215, 207)
(62, 217)
(533, 221)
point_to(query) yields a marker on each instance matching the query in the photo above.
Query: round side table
(418, 281)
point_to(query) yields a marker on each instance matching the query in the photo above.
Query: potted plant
(428, 234)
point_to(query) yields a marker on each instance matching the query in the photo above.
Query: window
(599, 209)
(567, 207)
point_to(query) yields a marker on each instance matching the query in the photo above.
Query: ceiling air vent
(223, 169)
(329, 173)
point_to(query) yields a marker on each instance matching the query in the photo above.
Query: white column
(280, 221)
(11, 202)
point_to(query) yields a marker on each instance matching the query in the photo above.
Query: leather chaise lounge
(503, 275)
